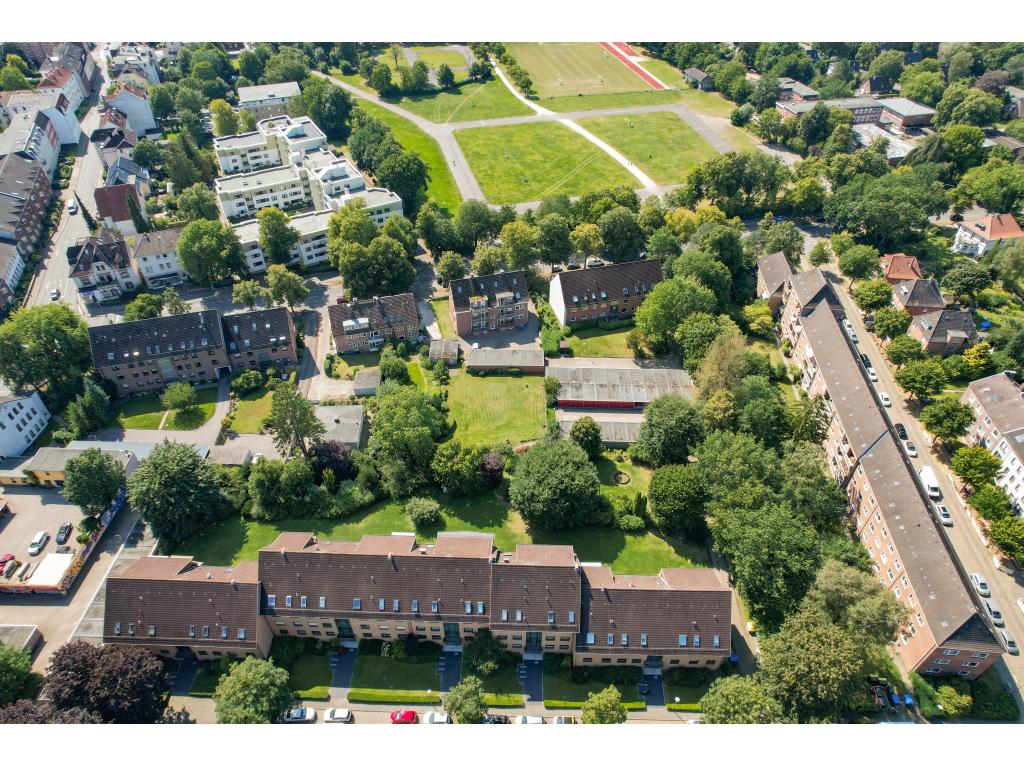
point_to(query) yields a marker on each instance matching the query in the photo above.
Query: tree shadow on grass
(187, 418)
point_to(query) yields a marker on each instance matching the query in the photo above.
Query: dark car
(864, 359)
(63, 533)
(496, 720)
(901, 431)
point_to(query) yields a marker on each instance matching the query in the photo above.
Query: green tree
(248, 293)
(175, 492)
(922, 379)
(179, 396)
(891, 322)
(457, 468)
(405, 174)
(810, 488)
(402, 231)
(172, 302)
(555, 487)
(11, 79)
(143, 307)
(671, 430)
(464, 702)
(487, 260)
(445, 77)
(740, 700)
(903, 350)
(947, 418)
(288, 64)
(967, 279)
(991, 503)
(253, 691)
(586, 433)
(519, 244)
(225, 120)
(976, 465)
(45, 347)
(91, 481)
(148, 153)
(623, 239)
(276, 236)
(668, 304)
(854, 600)
(872, 295)
(886, 210)
(707, 270)
(351, 223)
(925, 87)
(553, 238)
(380, 269)
(407, 426)
(292, 420)
(284, 286)
(678, 495)
(209, 250)
(604, 707)
(888, 64)
(90, 410)
(15, 674)
(809, 418)
(997, 185)
(821, 254)
(859, 262)
(586, 240)
(450, 267)
(964, 145)
(1008, 534)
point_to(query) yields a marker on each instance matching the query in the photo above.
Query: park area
(148, 412)
(531, 161)
(489, 409)
(467, 101)
(570, 69)
(661, 144)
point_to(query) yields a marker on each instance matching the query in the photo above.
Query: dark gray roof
(505, 357)
(808, 286)
(612, 432)
(156, 337)
(380, 311)
(695, 74)
(487, 286)
(108, 247)
(919, 294)
(18, 175)
(156, 242)
(444, 349)
(947, 325)
(637, 385)
(258, 329)
(775, 269)
(344, 423)
(608, 282)
(122, 169)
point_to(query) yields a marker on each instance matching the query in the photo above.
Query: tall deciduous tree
(922, 379)
(671, 430)
(586, 433)
(741, 701)
(91, 481)
(947, 418)
(677, 497)
(276, 236)
(15, 673)
(555, 487)
(253, 691)
(248, 293)
(976, 465)
(465, 701)
(209, 250)
(285, 286)
(293, 420)
(46, 347)
(172, 302)
(604, 707)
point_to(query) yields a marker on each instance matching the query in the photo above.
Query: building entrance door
(451, 633)
(533, 642)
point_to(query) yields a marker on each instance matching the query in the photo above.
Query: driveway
(181, 682)
(531, 675)
(342, 666)
(449, 667)
(655, 691)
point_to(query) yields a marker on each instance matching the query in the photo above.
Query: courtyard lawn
(489, 409)
(140, 412)
(347, 365)
(253, 407)
(568, 69)
(374, 671)
(467, 101)
(659, 143)
(520, 163)
(503, 689)
(444, 318)
(634, 553)
(441, 188)
(205, 681)
(310, 677)
(416, 375)
(197, 416)
(598, 342)
(614, 461)
(557, 689)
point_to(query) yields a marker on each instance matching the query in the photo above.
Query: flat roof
(637, 385)
(239, 140)
(256, 179)
(309, 223)
(263, 92)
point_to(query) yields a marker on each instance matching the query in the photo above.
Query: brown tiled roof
(381, 311)
(995, 226)
(921, 294)
(534, 585)
(112, 201)
(173, 594)
(580, 286)
(487, 286)
(56, 78)
(259, 329)
(899, 266)
(156, 242)
(156, 337)
(663, 607)
(19, 179)
(775, 269)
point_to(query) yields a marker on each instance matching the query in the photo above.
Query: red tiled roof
(57, 78)
(113, 201)
(995, 226)
(899, 266)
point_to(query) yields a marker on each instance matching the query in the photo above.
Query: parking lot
(31, 509)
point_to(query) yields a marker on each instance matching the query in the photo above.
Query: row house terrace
(488, 303)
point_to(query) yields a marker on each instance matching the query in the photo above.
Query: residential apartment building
(363, 325)
(273, 142)
(53, 104)
(999, 427)
(147, 355)
(155, 257)
(136, 58)
(612, 292)
(117, 143)
(537, 599)
(134, 104)
(310, 249)
(898, 267)
(802, 293)
(25, 194)
(267, 100)
(118, 205)
(978, 237)
(945, 632)
(74, 57)
(63, 81)
(34, 135)
(772, 272)
(101, 267)
(489, 303)
(23, 417)
(261, 338)
(945, 331)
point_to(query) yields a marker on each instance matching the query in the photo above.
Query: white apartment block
(310, 249)
(53, 104)
(133, 102)
(23, 417)
(155, 257)
(999, 426)
(34, 134)
(272, 143)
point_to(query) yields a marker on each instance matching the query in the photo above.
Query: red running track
(640, 71)
(627, 49)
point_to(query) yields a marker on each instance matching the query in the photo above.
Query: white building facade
(23, 417)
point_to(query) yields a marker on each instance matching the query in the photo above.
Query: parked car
(886, 401)
(901, 431)
(338, 716)
(943, 515)
(594, 261)
(1020, 603)
(63, 533)
(496, 719)
(63, 549)
(9, 568)
(73, 207)
(528, 720)
(556, 268)
(436, 718)
(54, 294)
(853, 335)
(5, 559)
(1008, 642)
(38, 542)
(300, 715)
(872, 376)
(404, 717)
(993, 612)
(980, 585)
(565, 720)
(911, 449)
(864, 359)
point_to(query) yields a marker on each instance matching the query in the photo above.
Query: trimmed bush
(682, 707)
(423, 512)
(991, 700)
(384, 696)
(247, 381)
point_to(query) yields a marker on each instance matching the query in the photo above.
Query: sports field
(519, 163)
(661, 144)
(571, 69)
(468, 101)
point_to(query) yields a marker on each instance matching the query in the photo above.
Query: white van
(1008, 642)
(931, 482)
(38, 542)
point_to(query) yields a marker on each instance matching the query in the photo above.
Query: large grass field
(597, 342)
(609, 100)
(570, 69)
(659, 143)
(468, 101)
(441, 188)
(444, 318)
(436, 55)
(489, 409)
(519, 163)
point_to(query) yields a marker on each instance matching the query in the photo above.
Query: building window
(480, 607)
(469, 607)
(271, 601)
(551, 617)
(433, 606)
(415, 606)
(323, 601)
(356, 603)
(951, 653)
(590, 638)
(572, 617)
(396, 605)
(117, 628)
(504, 614)
(302, 602)
(625, 639)
(192, 630)
(519, 615)
(224, 633)
(716, 641)
(682, 641)
(380, 604)
(696, 641)
(288, 601)
(643, 639)
(241, 633)
(206, 631)
(611, 639)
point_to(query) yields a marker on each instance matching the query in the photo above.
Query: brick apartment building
(537, 599)
(364, 325)
(612, 292)
(999, 427)
(489, 303)
(25, 193)
(945, 632)
(772, 272)
(261, 338)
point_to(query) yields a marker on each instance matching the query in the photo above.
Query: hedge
(683, 707)
(556, 704)
(316, 693)
(386, 696)
(503, 699)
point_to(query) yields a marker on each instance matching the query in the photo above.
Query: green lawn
(597, 342)
(194, 417)
(468, 101)
(568, 69)
(503, 689)
(609, 463)
(518, 163)
(205, 681)
(665, 72)
(444, 318)
(310, 676)
(140, 412)
(416, 375)
(559, 689)
(489, 409)
(380, 672)
(253, 407)
(434, 56)
(441, 187)
(347, 365)
(659, 143)
(609, 101)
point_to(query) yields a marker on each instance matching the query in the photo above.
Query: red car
(5, 559)
(404, 717)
